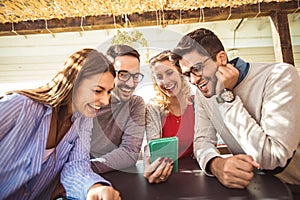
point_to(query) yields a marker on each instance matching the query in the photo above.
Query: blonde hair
(80, 65)
(161, 99)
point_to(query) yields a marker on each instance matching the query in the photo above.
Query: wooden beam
(281, 38)
(146, 19)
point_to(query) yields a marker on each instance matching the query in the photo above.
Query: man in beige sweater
(257, 104)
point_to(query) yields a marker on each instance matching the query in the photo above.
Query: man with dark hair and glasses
(253, 106)
(196, 69)
(118, 129)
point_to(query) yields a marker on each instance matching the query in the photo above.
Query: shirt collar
(243, 68)
(74, 115)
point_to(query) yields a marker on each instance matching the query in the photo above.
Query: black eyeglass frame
(139, 78)
(196, 69)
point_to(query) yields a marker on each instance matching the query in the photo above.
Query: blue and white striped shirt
(24, 128)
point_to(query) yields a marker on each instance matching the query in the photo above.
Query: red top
(183, 128)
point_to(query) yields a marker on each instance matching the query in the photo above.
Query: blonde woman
(45, 132)
(169, 113)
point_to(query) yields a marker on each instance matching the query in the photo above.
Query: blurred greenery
(134, 38)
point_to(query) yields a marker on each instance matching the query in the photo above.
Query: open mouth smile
(202, 84)
(170, 87)
(94, 106)
(125, 89)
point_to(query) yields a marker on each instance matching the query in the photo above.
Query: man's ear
(221, 58)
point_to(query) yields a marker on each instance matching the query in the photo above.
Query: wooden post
(281, 38)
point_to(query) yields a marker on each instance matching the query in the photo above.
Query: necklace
(175, 110)
(178, 119)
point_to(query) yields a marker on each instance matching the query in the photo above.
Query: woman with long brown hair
(45, 132)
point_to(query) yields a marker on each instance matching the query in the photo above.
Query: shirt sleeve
(10, 109)
(205, 138)
(153, 125)
(153, 122)
(77, 176)
(128, 151)
(273, 136)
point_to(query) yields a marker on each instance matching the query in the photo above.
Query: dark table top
(190, 183)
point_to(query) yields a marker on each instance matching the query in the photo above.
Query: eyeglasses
(124, 75)
(196, 69)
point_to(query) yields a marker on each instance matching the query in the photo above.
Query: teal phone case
(164, 147)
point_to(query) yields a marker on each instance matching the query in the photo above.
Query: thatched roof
(14, 11)
(24, 17)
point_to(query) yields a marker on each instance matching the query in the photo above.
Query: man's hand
(227, 77)
(159, 170)
(102, 192)
(235, 171)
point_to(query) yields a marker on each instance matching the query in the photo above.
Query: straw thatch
(14, 11)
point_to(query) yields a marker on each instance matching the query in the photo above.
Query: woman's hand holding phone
(159, 170)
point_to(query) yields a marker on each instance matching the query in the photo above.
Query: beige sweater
(264, 119)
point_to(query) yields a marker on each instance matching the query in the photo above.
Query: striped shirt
(24, 128)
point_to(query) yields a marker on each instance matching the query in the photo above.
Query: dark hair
(122, 50)
(80, 65)
(202, 40)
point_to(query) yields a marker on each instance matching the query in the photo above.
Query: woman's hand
(159, 170)
(102, 192)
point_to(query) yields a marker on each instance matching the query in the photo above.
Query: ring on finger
(162, 178)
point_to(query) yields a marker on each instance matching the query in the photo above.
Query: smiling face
(207, 80)
(125, 89)
(92, 93)
(167, 78)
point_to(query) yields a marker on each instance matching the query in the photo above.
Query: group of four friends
(59, 138)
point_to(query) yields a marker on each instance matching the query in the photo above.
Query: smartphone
(166, 148)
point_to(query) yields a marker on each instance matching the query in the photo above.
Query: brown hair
(161, 99)
(59, 91)
(80, 65)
